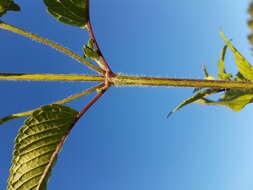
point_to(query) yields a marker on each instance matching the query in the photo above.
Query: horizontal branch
(50, 77)
(126, 80)
(51, 44)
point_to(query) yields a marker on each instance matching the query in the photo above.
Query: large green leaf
(243, 65)
(8, 5)
(35, 144)
(72, 12)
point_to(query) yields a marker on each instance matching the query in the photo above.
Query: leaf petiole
(64, 101)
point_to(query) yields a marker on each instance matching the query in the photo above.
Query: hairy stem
(51, 44)
(126, 80)
(92, 36)
(49, 77)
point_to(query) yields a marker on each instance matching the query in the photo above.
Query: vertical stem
(92, 36)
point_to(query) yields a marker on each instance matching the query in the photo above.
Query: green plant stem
(50, 77)
(92, 36)
(64, 101)
(127, 80)
(51, 44)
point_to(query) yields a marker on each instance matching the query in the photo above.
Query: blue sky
(125, 141)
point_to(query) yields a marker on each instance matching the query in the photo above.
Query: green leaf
(8, 5)
(90, 53)
(35, 144)
(72, 12)
(195, 97)
(221, 66)
(233, 99)
(243, 65)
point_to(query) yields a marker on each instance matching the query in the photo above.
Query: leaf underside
(235, 99)
(35, 144)
(71, 12)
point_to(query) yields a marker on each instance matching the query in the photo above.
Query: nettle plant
(43, 133)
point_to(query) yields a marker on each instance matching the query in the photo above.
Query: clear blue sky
(125, 141)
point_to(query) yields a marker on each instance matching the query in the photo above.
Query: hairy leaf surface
(35, 144)
(72, 12)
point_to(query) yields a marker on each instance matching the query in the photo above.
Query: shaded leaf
(233, 99)
(90, 52)
(35, 144)
(8, 5)
(240, 77)
(196, 97)
(243, 65)
(72, 12)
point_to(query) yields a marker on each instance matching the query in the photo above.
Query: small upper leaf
(221, 66)
(35, 144)
(8, 5)
(72, 12)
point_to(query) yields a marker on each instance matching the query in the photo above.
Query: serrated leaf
(243, 65)
(221, 66)
(195, 97)
(233, 99)
(8, 5)
(71, 12)
(35, 144)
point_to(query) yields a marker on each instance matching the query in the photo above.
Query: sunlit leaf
(243, 65)
(8, 5)
(35, 144)
(233, 99)
(72, 12)
(221, 66)
(196, 97)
